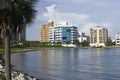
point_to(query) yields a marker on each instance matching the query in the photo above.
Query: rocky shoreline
(15, 73)
(18, 75)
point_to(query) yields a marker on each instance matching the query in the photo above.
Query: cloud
(87, 26)
(83, 21)
(55, 15)
(51, 13)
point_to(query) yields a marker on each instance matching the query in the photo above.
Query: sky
(85, 14)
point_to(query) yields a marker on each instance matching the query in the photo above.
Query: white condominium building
(118, 39)
(98, 36)
(63, 33)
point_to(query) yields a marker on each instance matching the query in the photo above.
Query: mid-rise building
(44, 31)
(82, 37)
(118, 39)
(63, 33)
(98, 36)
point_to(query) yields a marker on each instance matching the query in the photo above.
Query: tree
(14, 14)
(109, 43)
(76, 42)
(113, 43)
(24, 14)
(5, 10)
(85, 43)
(1, 42)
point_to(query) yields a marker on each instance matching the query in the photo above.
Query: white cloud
(83, 21)
(55, 15)
(87, 27)
(51, 8)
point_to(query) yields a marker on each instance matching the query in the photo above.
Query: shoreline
(36, 49)
(24, 50)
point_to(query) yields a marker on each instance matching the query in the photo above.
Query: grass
(17, 49)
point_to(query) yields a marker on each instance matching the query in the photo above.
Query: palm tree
(14, 14)
(4, 29)
(24, 13)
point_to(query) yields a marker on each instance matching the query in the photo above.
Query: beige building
(98, 36)
(44, 31)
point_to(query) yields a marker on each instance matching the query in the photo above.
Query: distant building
(82, 37)
(44, 31)
(98, 37)
(118, 39)
(63, 33)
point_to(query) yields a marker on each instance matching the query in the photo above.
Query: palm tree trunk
(7, 57)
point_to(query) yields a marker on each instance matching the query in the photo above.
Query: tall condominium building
(118, 39)
(98, 36)
(63, 33)
(44, 31)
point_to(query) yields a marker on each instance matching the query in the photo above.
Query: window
(63, 37)
(68, 30)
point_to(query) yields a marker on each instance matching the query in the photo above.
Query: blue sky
(83, 13)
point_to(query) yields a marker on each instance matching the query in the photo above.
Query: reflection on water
(70, 64)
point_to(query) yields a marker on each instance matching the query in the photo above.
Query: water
(70, 64)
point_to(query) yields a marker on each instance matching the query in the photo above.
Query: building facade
(63, 33)
(98, 37)
(117, 39)
(44, 31)
(82, 37)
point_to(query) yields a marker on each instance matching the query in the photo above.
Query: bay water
(70, 63)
